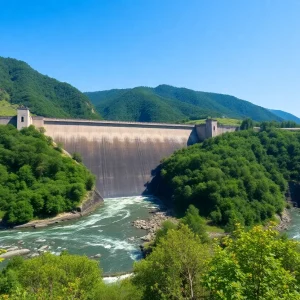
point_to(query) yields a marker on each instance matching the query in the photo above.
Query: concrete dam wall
(123, 156)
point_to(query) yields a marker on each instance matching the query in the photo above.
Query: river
(108, 231)
(294, 227)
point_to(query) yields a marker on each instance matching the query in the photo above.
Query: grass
(221, 121)
(7, 109)
(213, 229)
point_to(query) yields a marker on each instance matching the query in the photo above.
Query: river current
(293, 231)
(108, 231)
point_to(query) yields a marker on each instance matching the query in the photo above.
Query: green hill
(142, 105)
(20, 84)
(170, 104)
(36, 179)
(285, 116)
(239, 177)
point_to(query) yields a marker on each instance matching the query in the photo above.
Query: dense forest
(170, 104)
(36, 179)
(237, 177)
(44, 96)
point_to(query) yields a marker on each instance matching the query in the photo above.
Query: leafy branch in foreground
(254, 265)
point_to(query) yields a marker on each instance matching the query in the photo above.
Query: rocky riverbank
(50, 221)
(284, 220)
(152, 224)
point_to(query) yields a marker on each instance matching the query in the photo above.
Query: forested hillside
(45, 96)
(285, 116)
(239, 176)
(142, 105)
(170, 104)
(36, 180)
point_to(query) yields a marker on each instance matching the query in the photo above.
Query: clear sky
(246, 48)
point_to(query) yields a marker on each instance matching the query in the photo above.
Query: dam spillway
(123, 156)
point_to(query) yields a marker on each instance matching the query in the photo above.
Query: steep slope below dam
(123, 156)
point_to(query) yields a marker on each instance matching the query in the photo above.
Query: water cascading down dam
(124, 156)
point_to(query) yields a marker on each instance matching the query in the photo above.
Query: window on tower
(22, 119)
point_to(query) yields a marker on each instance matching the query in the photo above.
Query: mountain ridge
(22, 85)
(285, 115)
(179, 103)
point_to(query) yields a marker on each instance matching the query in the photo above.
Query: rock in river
(14, 253)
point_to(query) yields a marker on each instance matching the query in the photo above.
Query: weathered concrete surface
(8, 120)
(122, 155)
(212, 129)
(94, 199)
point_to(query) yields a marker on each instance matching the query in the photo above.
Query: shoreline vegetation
(93, 201)
(158, 216)
(38, 180)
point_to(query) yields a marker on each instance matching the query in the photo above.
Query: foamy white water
(294, 228)
(114, 279)
(108, 232)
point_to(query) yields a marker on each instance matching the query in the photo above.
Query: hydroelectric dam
(124, 156)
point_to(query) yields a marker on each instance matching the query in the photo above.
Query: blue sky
(249, 49)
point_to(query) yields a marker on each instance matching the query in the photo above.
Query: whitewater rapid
(107, 232)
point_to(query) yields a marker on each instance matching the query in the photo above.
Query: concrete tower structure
(23, 117)
(211, 128)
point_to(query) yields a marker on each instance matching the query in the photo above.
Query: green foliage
(170, 104)
(239, 176)
(254, 265)
(77, 156)
(174, 269)
(43, 95)
(162, 232)
(267, 126)
(197, 224)
(35, 179)
(141, 105)
(51, 277)
(123, 290)
(247, 124)
(6, 108)
(64, 277)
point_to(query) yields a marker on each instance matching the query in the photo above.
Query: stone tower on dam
(124, 156)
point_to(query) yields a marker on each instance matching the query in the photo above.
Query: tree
(254, 265)
(197, 224)
(20, 212)
(162, 232)
(77, 156)
(174, 269)
(52, 277)
(247, 124)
